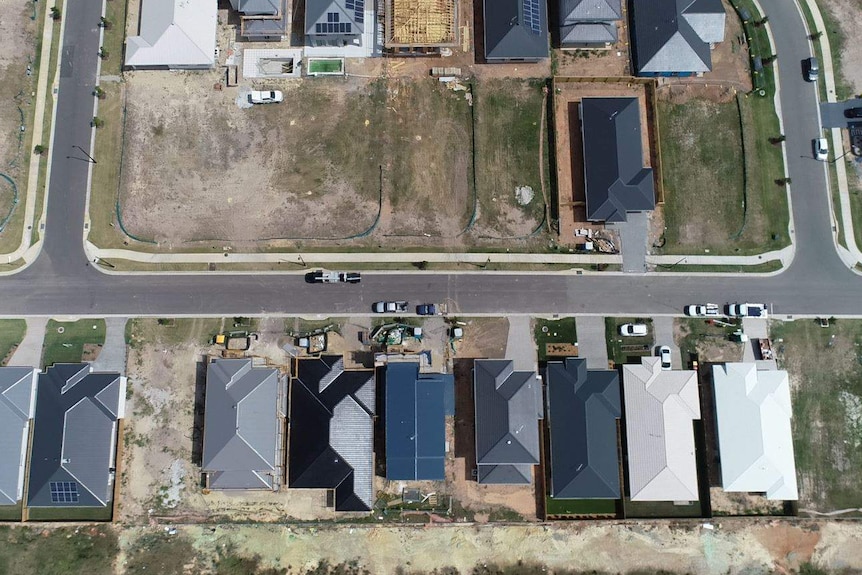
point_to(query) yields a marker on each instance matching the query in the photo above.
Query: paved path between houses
(29, 353)
(663, 329)
(113, 354)
(592, 343)
(519, 344)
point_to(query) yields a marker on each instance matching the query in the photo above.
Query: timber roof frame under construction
(421, 23)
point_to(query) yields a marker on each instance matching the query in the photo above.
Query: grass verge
(564, 507)
(825, 367)
(106, 172)
(554, 331)
(68, 346)
(115, 14)
(170, 331)
(11, 334)
(766, 267)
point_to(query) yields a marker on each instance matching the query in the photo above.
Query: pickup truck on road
(324, 277)
(431, 309)
(389, 306)
(747, 310)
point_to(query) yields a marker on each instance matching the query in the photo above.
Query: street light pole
(92, 159)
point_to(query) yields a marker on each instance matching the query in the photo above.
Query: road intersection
(63, 281)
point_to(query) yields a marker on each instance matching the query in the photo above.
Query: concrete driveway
(592, 341)
(29, 353)
(113, 354)
(663, 328)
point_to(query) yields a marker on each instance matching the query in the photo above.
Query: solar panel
(359, 11)
(64, 492)
(531, 16)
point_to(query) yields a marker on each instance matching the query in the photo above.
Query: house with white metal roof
(17, 406)
(660, 410)
(174, 34)
(755, 441)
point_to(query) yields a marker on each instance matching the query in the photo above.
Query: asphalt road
(62, 282)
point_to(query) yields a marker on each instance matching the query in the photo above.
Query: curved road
(61, 281)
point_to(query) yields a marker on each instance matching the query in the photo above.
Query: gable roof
(673, 36)
(415, 422)
(256, 7)
(331, 431)
(588, 33)
(516, 29)
(616, 181)
(75, 433)
(572, 11)
(174, 34)
(242, 427)
(755, 441)
(583, 408)
(17, 405)
(507, 414)
(349, 12)
(660, 407)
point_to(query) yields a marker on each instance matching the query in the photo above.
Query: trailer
(765, 346)
(326, 277)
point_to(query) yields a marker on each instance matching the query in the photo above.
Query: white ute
(265, 97)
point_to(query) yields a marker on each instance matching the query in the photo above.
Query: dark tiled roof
(510, 34)
(331, 431)
(583, 408)
(75, 434)
(572, 11)
(616, 181)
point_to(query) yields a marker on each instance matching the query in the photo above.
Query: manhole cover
(61, 329)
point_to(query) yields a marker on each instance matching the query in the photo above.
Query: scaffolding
(421, 24)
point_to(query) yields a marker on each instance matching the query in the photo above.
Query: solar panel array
(333, 28)
(64, 492)
(358, 7)
(531, 16)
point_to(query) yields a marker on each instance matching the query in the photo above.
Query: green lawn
(61, 551)
(69, 513)
(10, 513)
(652, 509)
(11, 334)
(115, 13)
(825, 366)
(580, 506)
(68, 347)
(554, 331)
(628, 349)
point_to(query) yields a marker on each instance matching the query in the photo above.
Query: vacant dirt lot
(734, 547)
(846, 16)
(350, 162)
(17, 50)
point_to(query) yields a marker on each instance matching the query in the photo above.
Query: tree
(761, 22)
(777, 139)
(816, 35)
(105, 23)
(97, 122)
(99, 93)
(55, 13)
(39, 149)
(103, 53)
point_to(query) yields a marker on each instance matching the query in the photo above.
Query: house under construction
(415, 27)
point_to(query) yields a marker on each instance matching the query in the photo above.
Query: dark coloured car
(853, 113)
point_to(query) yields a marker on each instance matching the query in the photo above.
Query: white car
(663, 354)
(633, 329)
(703, 310)
(821, 149)
(265, 97)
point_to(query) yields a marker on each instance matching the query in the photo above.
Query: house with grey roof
(588, 23)
(515, 30)
(508, 407)
(73, 453)
(174, 35)
(331, 435)
(262, 20)
(17, 406)
(675, 37)
(244, 419)
(415, 416)
(335, 22)
(583, 415)
(614, 174)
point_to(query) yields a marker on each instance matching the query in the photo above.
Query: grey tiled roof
(616, 180)
(589, 33)
(75, 433)
(507, 415)
(572, 11)
(510, 35)
(242, 425)
(256, 7)
(17, 402)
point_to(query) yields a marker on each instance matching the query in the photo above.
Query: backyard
(825, 367)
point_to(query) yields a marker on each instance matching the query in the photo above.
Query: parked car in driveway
(747, 310)
(663, 353)
(633, 329)
(265, 97)
(702, 310)
(821, 148)
(389, 306)
(853, 112)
